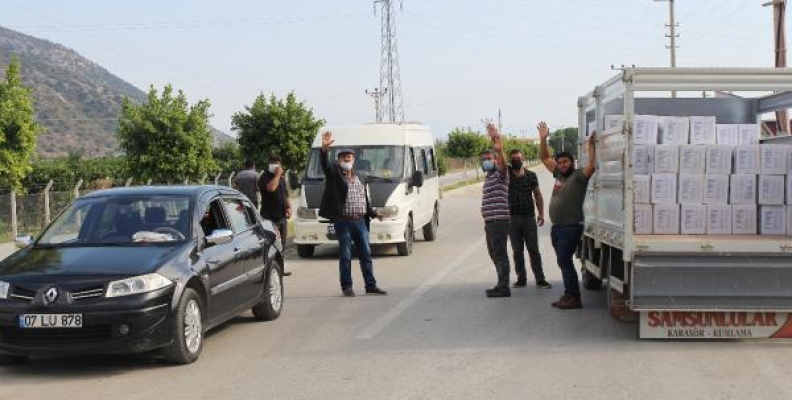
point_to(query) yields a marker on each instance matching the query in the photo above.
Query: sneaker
(543, 284)
(499, 292)
(348, 292)
(521, 282)
(376, 290)
(568, 303)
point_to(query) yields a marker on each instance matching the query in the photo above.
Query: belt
(351, 219)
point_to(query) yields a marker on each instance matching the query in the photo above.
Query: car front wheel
(188, 330)
(271, 305)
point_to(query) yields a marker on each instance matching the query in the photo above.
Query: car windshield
(120, 220)
(385, 162)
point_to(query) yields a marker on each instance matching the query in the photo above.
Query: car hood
(83, 261)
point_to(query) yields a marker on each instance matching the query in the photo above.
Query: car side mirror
(220, 236)
(417, 179)
(294, 180)
(22, 241)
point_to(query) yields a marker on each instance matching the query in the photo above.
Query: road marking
(385, 320)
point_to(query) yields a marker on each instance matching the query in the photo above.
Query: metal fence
(28, 213)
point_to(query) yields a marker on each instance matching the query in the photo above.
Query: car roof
(190, 191)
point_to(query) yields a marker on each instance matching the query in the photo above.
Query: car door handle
(237, 251)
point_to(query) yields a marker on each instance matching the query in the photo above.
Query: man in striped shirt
(495, 210)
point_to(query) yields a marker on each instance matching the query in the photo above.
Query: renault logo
(50, 296)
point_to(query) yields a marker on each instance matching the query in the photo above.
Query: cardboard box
(665, 219)
(716, 189)
(666, 158)
(744, 219)
(643, 219)
(691, 189)
(613, 122)
(742, 189)
(719, 220)
(772, 220)
(771, 190)
(645, 129)
(774, 159)
(789, 220)
(664, 188)
(703, 130)
(642, 189)
(693, 219)
(746, 159)
(673, 130)
(728, 134)
(718, 159)
(691, 159)
(748, 134)
(643, 157)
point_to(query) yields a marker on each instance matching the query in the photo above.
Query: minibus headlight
(390, 212)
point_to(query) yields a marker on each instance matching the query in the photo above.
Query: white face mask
(272, 168)
(346, 166)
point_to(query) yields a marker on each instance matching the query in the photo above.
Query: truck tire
(430, 229)
(305, 250)
(405, 248)
(590, 281)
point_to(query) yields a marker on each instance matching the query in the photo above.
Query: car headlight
(306, 213)
(4, 290)
(389, 211)
(137, 285)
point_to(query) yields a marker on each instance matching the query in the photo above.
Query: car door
(248, 243)
(226, 271)
(413, 193)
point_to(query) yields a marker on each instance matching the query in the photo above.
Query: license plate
(51, 321)
(331, 229)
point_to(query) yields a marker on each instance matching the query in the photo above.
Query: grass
(463, 183)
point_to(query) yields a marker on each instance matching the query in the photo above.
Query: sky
(461, 60)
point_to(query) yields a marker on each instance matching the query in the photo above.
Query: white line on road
(385, 320)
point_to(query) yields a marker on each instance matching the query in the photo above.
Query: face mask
(516, 164)
(488, 165)
(272, 168)
(346, 166)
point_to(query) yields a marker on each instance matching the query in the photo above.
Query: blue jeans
(566, 240)
(357, 232)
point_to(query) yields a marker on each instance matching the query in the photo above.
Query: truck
(398, 164)
(690, 282)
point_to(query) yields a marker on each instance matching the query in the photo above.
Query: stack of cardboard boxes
(694, 176)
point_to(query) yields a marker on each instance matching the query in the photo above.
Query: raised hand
(327, 140)
(544, 131)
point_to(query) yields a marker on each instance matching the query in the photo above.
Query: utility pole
(376, 94)
(672, 25)
(390, 80)
(500, 122)
(779, 30)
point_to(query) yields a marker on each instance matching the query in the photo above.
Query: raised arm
(592, 156)
(327, 141)
(544, 150)
(497, 146)
(273, 184)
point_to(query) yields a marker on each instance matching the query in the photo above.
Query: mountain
(77, 101)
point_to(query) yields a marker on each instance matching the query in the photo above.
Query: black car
(139, 269)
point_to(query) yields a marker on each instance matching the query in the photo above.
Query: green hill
(77, 101)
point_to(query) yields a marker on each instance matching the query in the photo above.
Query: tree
(166, 139)
(565, 139)
(228, 157)
(285, 127)
(465, 143)
(18, 130)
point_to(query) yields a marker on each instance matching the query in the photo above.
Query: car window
(423, 162)
(214, 218)
(239, 218)
(251, 213)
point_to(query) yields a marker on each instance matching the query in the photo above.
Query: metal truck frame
(683, 286)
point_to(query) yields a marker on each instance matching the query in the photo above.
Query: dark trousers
(497, 233)
(283, 229)
(566, 240)
(523, 235)
(357, 232)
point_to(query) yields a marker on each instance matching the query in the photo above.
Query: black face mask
(516, 164)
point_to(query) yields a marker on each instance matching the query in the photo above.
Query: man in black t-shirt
(524, 195)
(275, 204)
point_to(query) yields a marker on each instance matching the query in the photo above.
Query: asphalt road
(435, 336)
